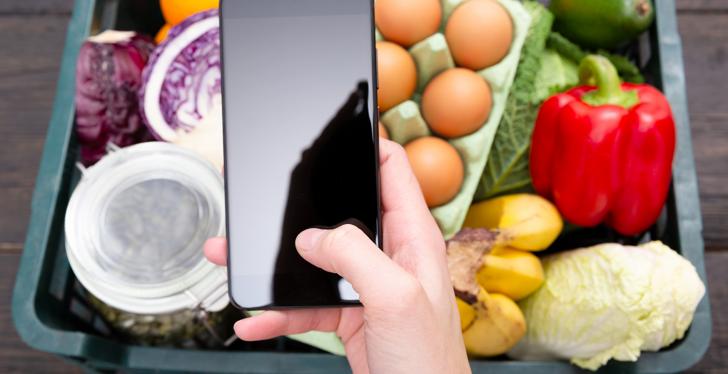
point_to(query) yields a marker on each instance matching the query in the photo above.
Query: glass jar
(135, 227)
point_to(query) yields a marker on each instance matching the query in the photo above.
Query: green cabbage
(609, 302)
(557, 74)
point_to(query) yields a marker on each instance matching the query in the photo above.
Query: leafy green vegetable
(529, 64)
(609, 302)
(564, 47)
(507, 167)
(557, 74)
(626, 69)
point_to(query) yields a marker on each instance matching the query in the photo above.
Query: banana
(491, 323)
(525, 221)
(467, 313)
(497, 326)
(510, 272)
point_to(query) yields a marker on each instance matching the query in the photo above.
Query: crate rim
(73, 345)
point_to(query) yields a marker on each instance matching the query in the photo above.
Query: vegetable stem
(595, 69)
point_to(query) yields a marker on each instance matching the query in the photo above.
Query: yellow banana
(497, 326)
(526, 221)
(491, 323)
(467, 313)
(510, 272)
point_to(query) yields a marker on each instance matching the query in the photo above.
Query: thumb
(347, 251)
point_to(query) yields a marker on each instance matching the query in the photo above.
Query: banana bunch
(491, 267)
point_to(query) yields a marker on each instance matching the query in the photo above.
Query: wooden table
(31, 42)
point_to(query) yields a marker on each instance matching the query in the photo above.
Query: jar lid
(136, 224)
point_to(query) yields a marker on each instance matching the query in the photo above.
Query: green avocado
(603, 24)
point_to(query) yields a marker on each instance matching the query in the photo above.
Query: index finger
(215, 250)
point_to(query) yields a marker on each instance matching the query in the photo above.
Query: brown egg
(437, 167)
(383, 131)
(456, 102)
(406, 22)
(397, 75)
(479, 33)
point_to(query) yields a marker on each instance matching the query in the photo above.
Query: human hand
(409, 322)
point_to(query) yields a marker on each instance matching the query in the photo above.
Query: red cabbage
(108, 78)
(182, 79)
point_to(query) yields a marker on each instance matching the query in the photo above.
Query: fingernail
(308, 239)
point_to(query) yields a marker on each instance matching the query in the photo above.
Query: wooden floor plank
(31, 48)
(705, 51)
(716, 359)
(15, 7)
(710, 140)
(701, 5)
(13, 226)
(705, 48)
(27, 39)
(64, 6)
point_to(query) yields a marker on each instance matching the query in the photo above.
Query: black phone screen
(300, 123)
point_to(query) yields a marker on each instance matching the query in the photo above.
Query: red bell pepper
(604, 153)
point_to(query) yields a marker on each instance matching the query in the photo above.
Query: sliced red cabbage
(108, 78)
(182, 79)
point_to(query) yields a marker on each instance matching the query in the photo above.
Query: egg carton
(405, 123)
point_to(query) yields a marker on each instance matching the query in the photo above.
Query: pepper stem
(595, 69)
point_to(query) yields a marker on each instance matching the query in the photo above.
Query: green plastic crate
(51, 316)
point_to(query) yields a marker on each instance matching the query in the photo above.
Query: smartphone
(301, 142)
